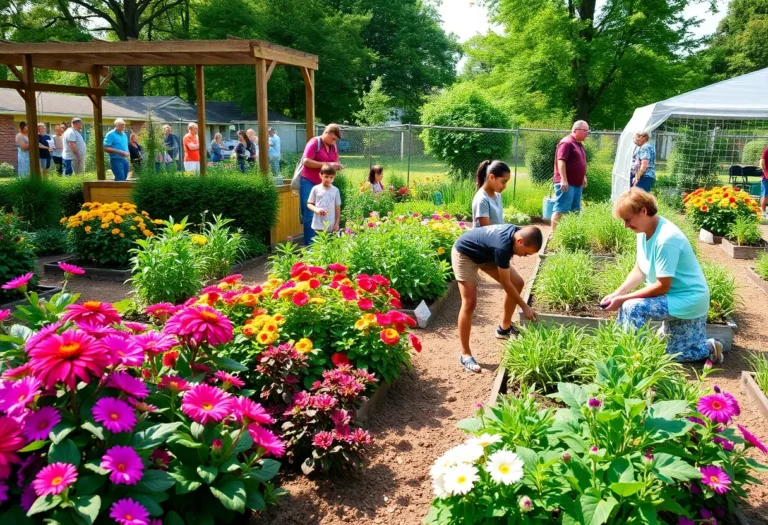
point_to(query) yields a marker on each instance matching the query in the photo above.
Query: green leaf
(607, 415)
(187, 480)
(670, 505)
(152, 506)
(647, 514)
(44, 503)
(60, 431)
(155, 481)
(229, 364)
(244, 443)
(153, 436)
(87, 507)
(95, 466)
(627, 488)
(35, 445)
(596, 511)
(231, 494)
(254, 500)
(207, 474)
(471, 425)
(620, 471)
(172, 518)
(634, 407)
(230, 465)
(94, 429)
(528, 456)
(268, 470)
(197, 430)
(87, 485)
(64, 452)
(572, 395)
(758, 467)
(661, 429)
(668, 409)
(669, 468)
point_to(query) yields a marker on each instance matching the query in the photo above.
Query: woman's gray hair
(216, 135)
(643, 133)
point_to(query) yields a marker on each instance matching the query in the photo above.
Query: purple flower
(753, 439)
(128, 384)
(720, 408)
(37, 425)
(114, 414)
(124, 464)
(594, 403)
(715, 478)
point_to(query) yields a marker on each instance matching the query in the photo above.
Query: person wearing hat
(274, 151)
(74, 148)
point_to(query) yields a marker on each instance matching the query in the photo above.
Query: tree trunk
(129, 29)
(580, 66)
(135, 84)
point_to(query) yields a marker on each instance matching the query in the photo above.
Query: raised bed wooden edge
(708, 237)
(750, 387)
(373, 402)
(757, 280)
(434, 308)
(741, 252)
(43, 292)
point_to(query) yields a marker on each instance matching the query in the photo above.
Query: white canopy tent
(739, 98)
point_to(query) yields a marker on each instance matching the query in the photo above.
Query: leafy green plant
(513, 216)
(759, 363)
(722, 292)
(7, 170)
(253, 247)
(745, 231)
(218, 248)
(599, 180)
(49, 241)
(761, 265)
(572, 234)
(540, 156)
(608, 235)
(411, 207)
(565, 281)
(17, 253)
(614, 273)
(360, 204)
(543, 355)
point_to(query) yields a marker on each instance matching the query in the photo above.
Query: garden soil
(417, 421)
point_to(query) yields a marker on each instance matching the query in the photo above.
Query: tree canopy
(740, 44)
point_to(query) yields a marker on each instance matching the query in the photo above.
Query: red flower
(400, 327)
(169, 359)
(304, 276)
(389, 336)
(340, 359)
(314, 284)
(365, 304)
(366, 283)
(297, 268)
(316, 270)
(348, 293)
(380, 280)
(336, 267)
(394, 293)
(395, 303)
(232, 279)
(300, 299)
(383, 319)
(415, 342)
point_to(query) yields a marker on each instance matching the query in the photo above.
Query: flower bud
(594, 403)
(593, 450)
(708, 365)
(526, 505)
(566, 457)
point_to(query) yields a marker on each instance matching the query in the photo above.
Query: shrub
(103, 234)
(565, 281)
(540, 156)
(464, 105)
(361, 204)
(513, 216)
(543, 355)
(7, 170)
(250, 201)
(761, 265)
(722, 292)
(599, 181)
(71, 192)
(43, 202)
(253, 247)
(49, 241)
(753, 150)
(745, 231)
(716, 209)
(17, 254)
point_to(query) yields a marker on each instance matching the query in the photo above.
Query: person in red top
(764, 182)
(319, 150)
(570, 171)
(191, 144)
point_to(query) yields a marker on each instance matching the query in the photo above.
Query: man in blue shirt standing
(116, 144)
(274, 151)
(643, 171)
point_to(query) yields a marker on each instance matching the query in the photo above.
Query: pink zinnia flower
(231, 279)
(37, 425)
(67, 357)
(381, 280)
(20, 372)
(362, 437)
(265, 439)
(323, 402)
(323, 440)
(70, 268)
(97, 330)
(141, 406)
(4, 314)
(365, 304)
(205, 403)
(18, 282)
(727, 445)
(594, 403)
(136, 328)
(715, 478)
(366, 283)
(123, 349)
(10, 442)
(717, 407)
(92, 311)
(174, 383)
(337, 267)
(300, 299)
(229, 379)
(128, 384)
(348, 293)
(682, 520)
(752, 439)
(116, 415)
(200, 324)
(250, 412)
(129, 512)
(161, 311)
(53, 479)
(124, 464)
(15, 397)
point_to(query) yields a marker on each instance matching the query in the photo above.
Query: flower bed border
(750, 387)
(704, 236)
(372, 403)
(737, 251)
(757, 280)
(435, 307)
(722, 332)
(43, 292)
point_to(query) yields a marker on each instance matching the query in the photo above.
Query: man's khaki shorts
(465, 268)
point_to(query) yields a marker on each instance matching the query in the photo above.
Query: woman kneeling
(675, 290)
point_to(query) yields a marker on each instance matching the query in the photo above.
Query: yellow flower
(267, 338)
(118, 220)
(147, 233)
(279, 319)
(104, 225)
(361, 324)
(304, 346)
(115, 231)
(440, 250)
(122, 235)
(177, 228)
(199, 239)
(317, 300)
(156, 221)
(133, 227)
(87, 229)
(369, 318)
(63, 220)
(137, 219)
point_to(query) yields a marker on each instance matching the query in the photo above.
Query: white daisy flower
(505, 467)
(438, 486)
(460, 479)
(466, 453)
(485, 440)
(440, 464)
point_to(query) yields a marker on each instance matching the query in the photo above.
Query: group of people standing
(64, 151)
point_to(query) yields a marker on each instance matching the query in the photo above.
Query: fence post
(408, 175)
(514, 184)
(370, 150)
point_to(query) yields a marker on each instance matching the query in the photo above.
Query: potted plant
(714, 210)
(744, 239)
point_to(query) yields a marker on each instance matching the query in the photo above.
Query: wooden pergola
(95, 58)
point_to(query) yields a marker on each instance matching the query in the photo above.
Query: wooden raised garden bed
(709, 237)
(373, 402)
(43, 292)
(723, 332)
(544, 252)
(749, 386)
(757, 280)
(435, 307)
(737, 251)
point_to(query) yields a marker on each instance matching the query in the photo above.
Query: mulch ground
(417, 421)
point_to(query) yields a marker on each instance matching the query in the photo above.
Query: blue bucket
(547, 207)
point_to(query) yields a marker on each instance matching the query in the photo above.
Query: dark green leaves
(669, 468)
(153, 436)
(231, 494)
(64, 452)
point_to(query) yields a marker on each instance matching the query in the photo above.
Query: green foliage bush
(513, 216)
(540, 156)
(250, 201)
(7, 170)
(411, 207)
(745, 231)
(753, 150)
(49, 241)
(695, 159)
(614, 273)
(43, 202)
(359, 205)
(599, 181)
(761, 265)
(464, 106)
(17, 254)
(566, 281)
(722, 292)
(759, 363)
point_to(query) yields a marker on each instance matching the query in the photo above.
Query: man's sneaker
(506, 334)
(716, 352)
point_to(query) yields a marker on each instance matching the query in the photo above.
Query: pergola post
(94, 79)
(309, 95)
(200, 80)
(30, 104)
(262, 115)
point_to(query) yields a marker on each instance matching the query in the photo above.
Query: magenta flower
(123, 349)
(682, 520)
(200, 324)
(114, 414)
(365, 304)
(267, 440)
(15, 397)
(594, 403)
(94, 312)
(727, 445)
(18, 282)
(37, 425)
(232, 279)
(246, 410)
(129, 512)
(67, 357)
(752, 439)
(128, 384)
(4, 314)
(161, 311)
(717, 407)
(174, 384)
(323, 402)
(11, 441)
(20, 372)
(323, 440)
(715, 478)
(337, 267)
(53, 479)
(97, 330)
(124, 464)
(229, 379)
(154, 343)
(3, 492)
(205, 403)
(136, 328)
(70, 268)
(362, 437)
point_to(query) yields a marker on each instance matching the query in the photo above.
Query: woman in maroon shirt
(315, 155)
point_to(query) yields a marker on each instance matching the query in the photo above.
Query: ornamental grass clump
(716, 209)
(722, 292)
(745, 231)
(608, 235)
(566, 281)
(761, 266)
(614, 273)
(759, 364)
(572, 234)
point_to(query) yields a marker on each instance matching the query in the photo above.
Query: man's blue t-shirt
(118, 141)
(274, 147)
(490, 244)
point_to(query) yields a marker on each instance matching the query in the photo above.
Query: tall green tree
(741, 43)
(594, 61)
(376, 106)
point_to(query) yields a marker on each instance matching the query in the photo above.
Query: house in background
(221, 117)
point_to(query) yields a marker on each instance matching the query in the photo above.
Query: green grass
(566, 281)
(759, 363)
